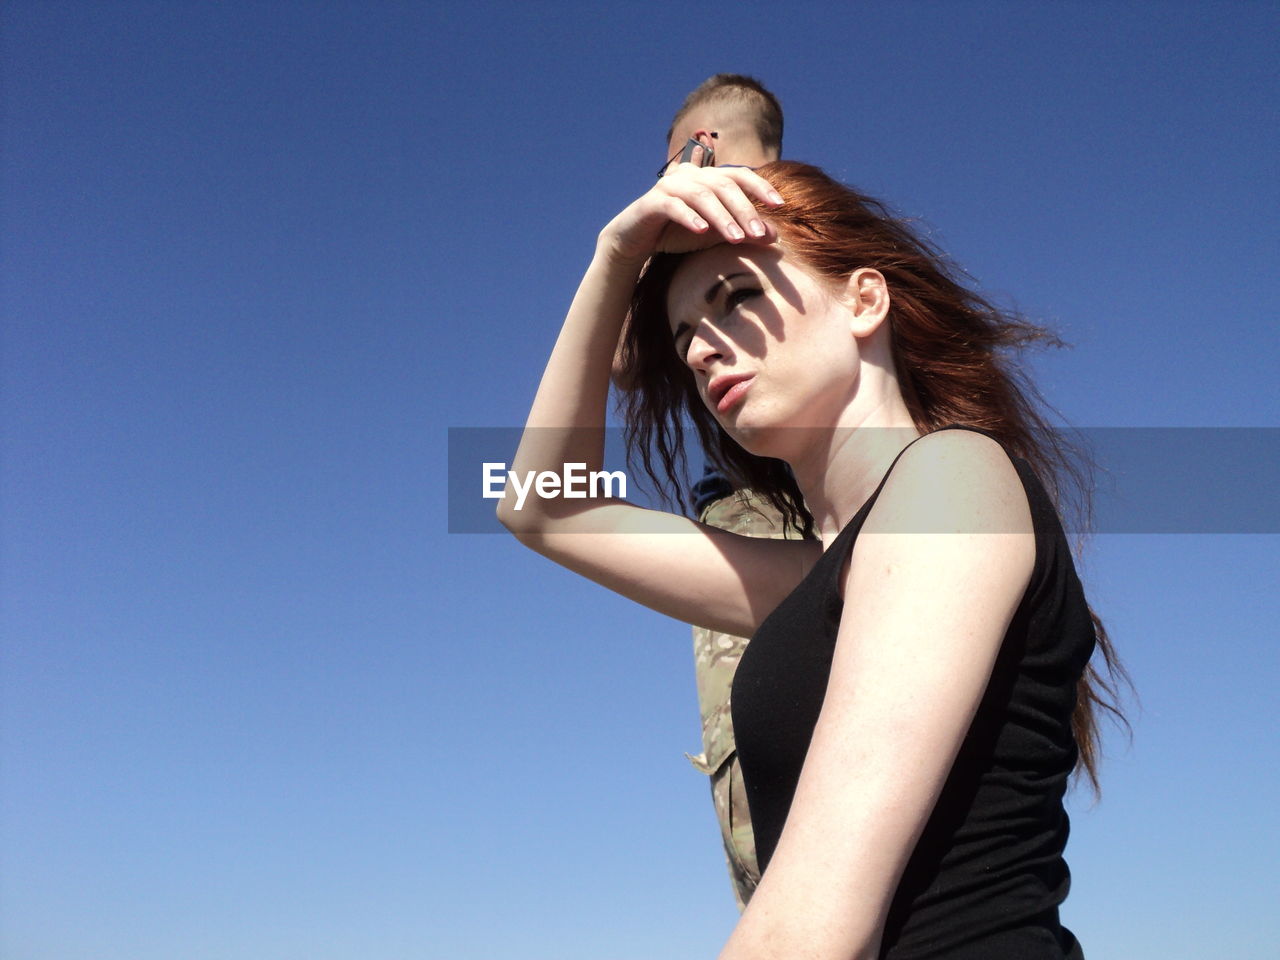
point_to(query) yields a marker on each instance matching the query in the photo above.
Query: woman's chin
(757, 440)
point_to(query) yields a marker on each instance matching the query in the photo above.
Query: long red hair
(954, 354)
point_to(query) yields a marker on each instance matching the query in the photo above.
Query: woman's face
(771, 347)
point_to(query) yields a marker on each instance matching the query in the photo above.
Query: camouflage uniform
(716, 657)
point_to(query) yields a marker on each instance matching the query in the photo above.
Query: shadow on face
(705, 282)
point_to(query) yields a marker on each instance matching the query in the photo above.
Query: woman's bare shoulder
(952, 481)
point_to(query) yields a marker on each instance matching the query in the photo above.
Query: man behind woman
(741, 122)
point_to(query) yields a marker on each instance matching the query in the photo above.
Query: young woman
(916, 691)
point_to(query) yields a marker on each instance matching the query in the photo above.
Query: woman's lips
(727, 391)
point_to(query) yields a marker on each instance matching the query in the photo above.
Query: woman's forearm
(686, 211)
(566, 421)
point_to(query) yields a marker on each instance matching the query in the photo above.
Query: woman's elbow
(528, 524)
(524, 525)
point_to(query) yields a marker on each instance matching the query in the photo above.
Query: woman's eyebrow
(723, 282)
(709, 296)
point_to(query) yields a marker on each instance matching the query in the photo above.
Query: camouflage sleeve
(715, 657)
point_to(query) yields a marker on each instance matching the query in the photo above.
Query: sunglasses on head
(699, 154)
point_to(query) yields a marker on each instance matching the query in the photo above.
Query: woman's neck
(837, 477)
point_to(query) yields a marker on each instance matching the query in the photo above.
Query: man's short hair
(745, 94)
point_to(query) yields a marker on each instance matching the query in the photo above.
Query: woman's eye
(738, 296)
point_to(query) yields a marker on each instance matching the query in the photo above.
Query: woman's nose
(704, 348)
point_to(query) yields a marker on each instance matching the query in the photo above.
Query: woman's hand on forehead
(690, 209)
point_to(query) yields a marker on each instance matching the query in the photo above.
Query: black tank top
(987, 875)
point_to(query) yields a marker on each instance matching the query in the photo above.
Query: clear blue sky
(258, 257)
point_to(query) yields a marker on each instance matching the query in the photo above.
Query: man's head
(745, 118)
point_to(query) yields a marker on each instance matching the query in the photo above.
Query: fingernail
(757, 228)
(699, 223)
(735, 231)
(775, 196)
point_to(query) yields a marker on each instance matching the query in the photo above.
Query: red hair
(953, 354)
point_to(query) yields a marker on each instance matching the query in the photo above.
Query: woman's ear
(866, 294)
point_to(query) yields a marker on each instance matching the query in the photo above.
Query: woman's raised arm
(665, 561)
